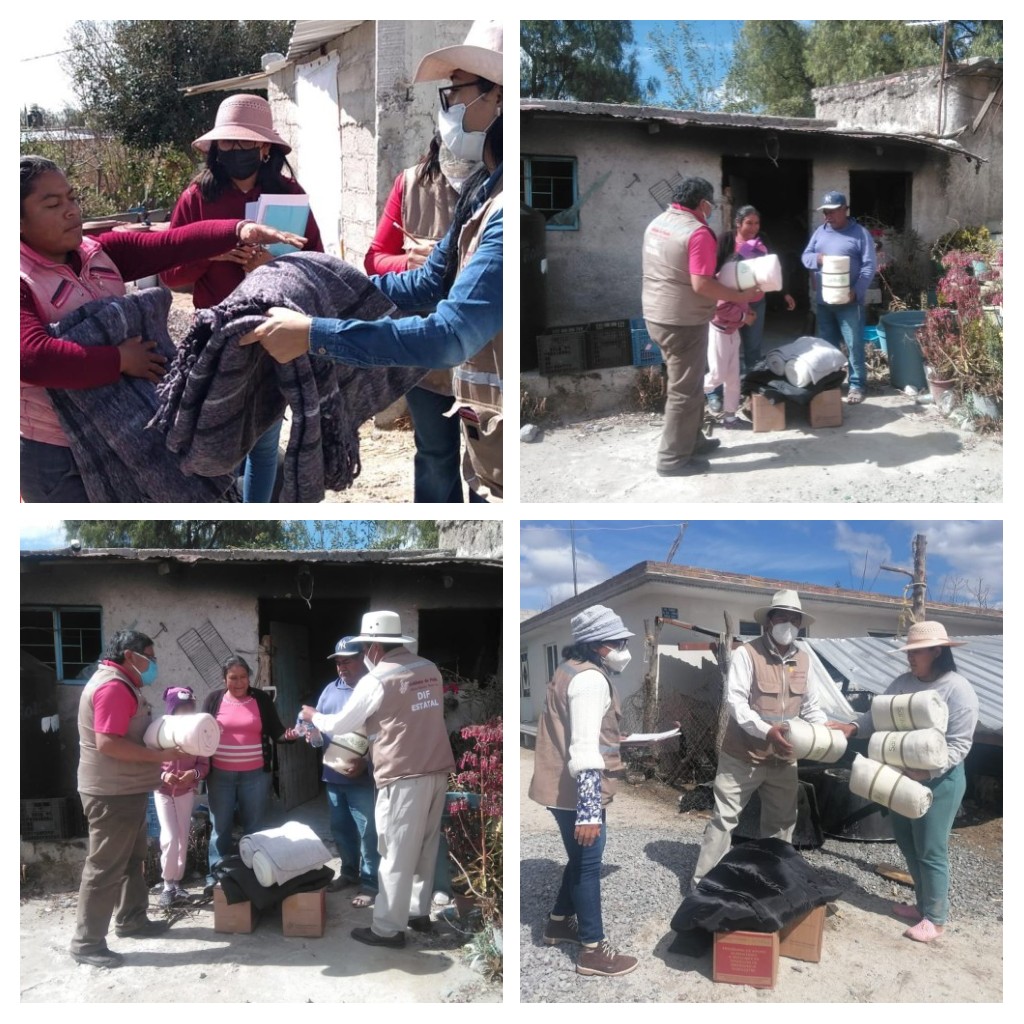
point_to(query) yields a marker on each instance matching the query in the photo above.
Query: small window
(548, 184)
(551, 658)
(68, 639)
(524, 674)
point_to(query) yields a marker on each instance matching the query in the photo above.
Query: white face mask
(616, 661)
(463, 145)
(784, 633)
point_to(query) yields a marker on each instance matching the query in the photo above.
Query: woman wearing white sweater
(576, 765)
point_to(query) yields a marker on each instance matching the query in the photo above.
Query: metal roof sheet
(864, 661)
(308, 36)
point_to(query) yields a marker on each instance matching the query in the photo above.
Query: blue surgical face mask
(149, 676)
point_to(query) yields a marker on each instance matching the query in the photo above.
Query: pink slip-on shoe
(923, 931)
(906, 912)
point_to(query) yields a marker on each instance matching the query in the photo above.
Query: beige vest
(99, 775)
(552, 784)
(777, 692)
(409, 724)
(427, 213)
(478, 383)
(668, 296)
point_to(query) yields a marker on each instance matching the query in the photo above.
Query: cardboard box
(766, 416)
(305, 914)
(801, 939)
(827, 409)
(236, 918)
(746, 958)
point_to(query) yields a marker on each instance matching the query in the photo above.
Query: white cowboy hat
(783, 600)
(926, 634)
(382, 627)
(480, 54)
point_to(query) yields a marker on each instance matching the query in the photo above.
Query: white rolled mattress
(277, 855)
(197, 734)
(815, 742)
(922, 710)
(923, 749)
(889, 787)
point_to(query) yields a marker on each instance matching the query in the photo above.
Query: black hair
(33, 167)
(691, 191)
(125, 640)
(213, 179)
(429, 166)
(582, 651)
(744, 212)
(472, 191)
(944, 661)
(235, 661)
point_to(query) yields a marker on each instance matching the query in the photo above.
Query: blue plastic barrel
(906, 365)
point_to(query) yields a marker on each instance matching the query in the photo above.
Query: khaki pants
(735, 783)
(408, 816)
(685, 351)
(113, 869)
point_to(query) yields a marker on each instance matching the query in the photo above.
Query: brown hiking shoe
(604, 961)
(566, 930)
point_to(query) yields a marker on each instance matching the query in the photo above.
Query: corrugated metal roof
(864, 661)
(243, 555)
(695, 118)
(308, 36)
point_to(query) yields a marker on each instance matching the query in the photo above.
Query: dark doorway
(464, 641)
(883, 195)
(779, 190)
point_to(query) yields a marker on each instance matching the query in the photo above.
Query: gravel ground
(649, 859)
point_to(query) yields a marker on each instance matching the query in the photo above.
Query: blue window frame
(548, 184)
(68, 638)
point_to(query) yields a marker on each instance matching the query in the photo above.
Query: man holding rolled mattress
(842, 321)
(350, 791)
(768, 683)
(400, 704)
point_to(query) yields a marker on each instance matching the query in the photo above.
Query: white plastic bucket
(835, 264)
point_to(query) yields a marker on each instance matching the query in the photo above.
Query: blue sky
(715, 36)
(827, 552)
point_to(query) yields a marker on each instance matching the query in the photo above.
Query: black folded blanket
(218, 398)
(240, 883)
(758, 886)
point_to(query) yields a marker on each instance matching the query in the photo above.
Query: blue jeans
(261, 467)
(580, 892)
(355, 832)
(837, 324)
(924, 843)
(49, 473)
(751, 337)
(226, 790)
(437, 474)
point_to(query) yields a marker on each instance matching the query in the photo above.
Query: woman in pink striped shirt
(241, 767)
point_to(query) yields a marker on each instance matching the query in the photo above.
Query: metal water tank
(532, 284)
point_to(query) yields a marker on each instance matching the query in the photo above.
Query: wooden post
(724, 661)
(918, 611)
(651, 699)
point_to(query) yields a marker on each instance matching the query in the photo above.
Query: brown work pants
(113, 874)
(685, 351)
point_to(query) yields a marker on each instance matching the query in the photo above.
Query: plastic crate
(562, 353)
(45, 819)
(569, 329)
(608, 346)
(645, 351)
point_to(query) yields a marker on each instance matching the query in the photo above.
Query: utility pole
(918, 578)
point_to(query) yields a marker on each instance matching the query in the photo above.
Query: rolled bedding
(889, 787)
(815, 742)
(905, 711)
(277, 855)
(923, 749)
(197, 734)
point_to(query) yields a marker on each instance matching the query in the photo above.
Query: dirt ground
(864, 957)
(888, 449)
(191, 963)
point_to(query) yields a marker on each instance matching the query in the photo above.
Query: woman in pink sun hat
(924, 842)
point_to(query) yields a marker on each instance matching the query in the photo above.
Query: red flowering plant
(474, 825)
(960, 340)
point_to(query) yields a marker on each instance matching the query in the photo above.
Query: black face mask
(240, 163)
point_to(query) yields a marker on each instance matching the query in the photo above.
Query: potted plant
(962, 341)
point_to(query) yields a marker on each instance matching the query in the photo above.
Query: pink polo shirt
(241, 747)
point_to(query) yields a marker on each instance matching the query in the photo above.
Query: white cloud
(973, 550)
(42, 534)
(545, 565)
(865, 551)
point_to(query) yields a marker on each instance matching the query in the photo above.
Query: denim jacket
(462, 324)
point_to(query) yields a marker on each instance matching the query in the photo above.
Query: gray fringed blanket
(119, 459)
(218, 398)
